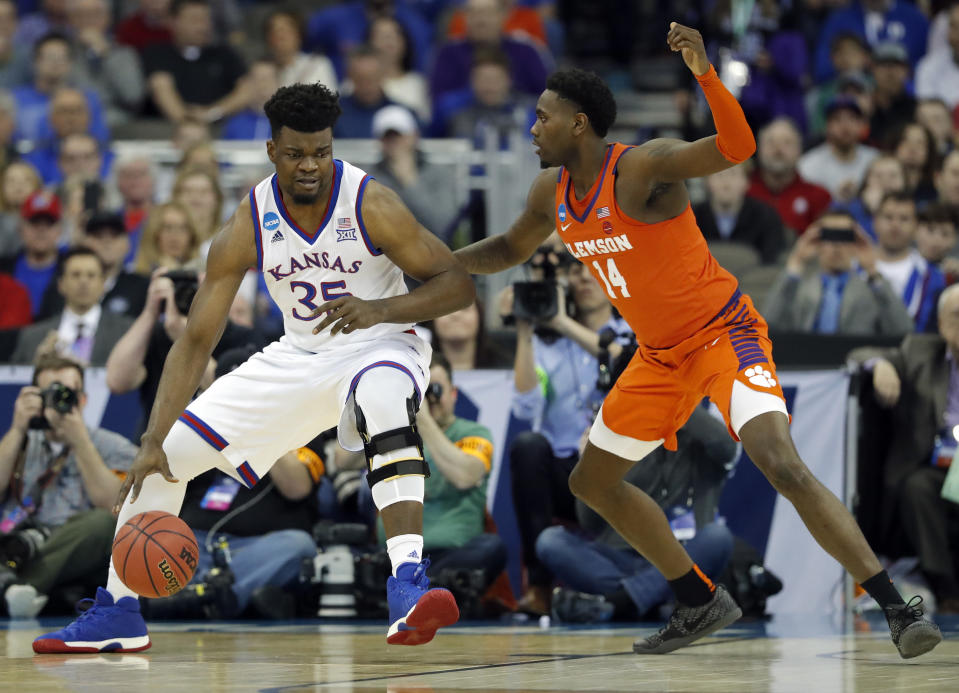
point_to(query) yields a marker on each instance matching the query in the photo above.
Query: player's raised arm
(670, 161)
(517, 245)
(392, 228)
(232, 253)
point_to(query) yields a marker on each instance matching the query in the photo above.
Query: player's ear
(271, 150)
(580, 123)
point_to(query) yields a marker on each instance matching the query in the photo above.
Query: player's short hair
(302, 107)
(590, 94)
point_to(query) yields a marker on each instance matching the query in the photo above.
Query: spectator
(401, 83)
(947, 179)
(937, 76)
(135, 181)
(556, 391)
(71, 510)
(83, 329)
(192, 77)
(529, 65)
(149, 25)
(918, 382)
(14, 56)
(836, 299)
(523, 20)
(460, 455)
(51, 17)
(251, 123)
(35, 264)
(14, 303)
(934, 115)
(874, 21)
(778, 182)
(137, 359)
(83, 166)
(170, 240)
(884, 175)
(201, 156)
(267, 531)
(913, 279)
(200, 194)
(850, 60)
(69, 115)
(730, 216)
(936, 239)
(686, 484)
(18, 181)
(126, 292)
(52, 66)
(840, 163)
(112, 70)
(489, 108)
(915, 148)
(893, 105)
(365, 94)
(429, 190)
(337, 30)
(778, 61)
(462, 340)
(284, 34)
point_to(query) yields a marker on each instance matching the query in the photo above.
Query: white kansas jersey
(304, 268)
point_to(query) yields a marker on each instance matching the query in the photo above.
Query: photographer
(836, 299)
(556, 377)
(137, 359)
(58, 480)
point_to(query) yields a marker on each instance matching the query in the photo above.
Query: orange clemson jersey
(661, 277)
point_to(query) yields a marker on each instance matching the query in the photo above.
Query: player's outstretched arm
(232, 253)
(446, 287)
(517, 245)
(671, 161)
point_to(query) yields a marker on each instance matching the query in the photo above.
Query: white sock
(188, 456)
(404, 548)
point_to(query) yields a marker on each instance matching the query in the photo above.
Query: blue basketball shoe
(416, 611)
(104, 627)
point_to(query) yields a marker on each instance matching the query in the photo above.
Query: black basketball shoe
(690, 623)
(912, 634)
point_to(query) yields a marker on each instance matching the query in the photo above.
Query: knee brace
(394, 456)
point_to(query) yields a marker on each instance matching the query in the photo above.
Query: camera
(60, 398)
(433, 392)
(22, 545)
(185, 285)
(535, 301)
(837, 234)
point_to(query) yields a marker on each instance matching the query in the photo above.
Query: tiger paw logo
(760, 377)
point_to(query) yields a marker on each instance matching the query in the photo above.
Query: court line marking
(498, 665)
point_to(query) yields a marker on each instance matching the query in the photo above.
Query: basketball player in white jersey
(333, 246)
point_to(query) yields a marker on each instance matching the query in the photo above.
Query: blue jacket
(903, 23)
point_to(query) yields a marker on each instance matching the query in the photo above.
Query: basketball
(155, 554)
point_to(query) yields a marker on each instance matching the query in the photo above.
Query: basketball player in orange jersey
(624, 213)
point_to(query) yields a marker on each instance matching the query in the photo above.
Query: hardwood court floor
(776, 657)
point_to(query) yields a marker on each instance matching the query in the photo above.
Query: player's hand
(886, 383)
(690, 42)
(149, 460)
(29, 403)
(349, 313)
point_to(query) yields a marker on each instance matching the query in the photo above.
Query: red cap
(42, 203)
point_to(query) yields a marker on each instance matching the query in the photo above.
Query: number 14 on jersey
(611, 278)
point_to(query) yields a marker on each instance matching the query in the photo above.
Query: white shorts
(283, 397)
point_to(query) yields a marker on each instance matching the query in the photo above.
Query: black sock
(693, 588)
(624, 608)
(880, 588)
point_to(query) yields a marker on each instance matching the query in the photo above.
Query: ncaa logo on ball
(562, 213)
(270, 221)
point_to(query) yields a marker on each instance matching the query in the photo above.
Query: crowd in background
(844, 223)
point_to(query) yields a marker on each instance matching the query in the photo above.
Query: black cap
(109, 221)
(840, 103)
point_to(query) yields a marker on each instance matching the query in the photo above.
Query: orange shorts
(729, 361)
